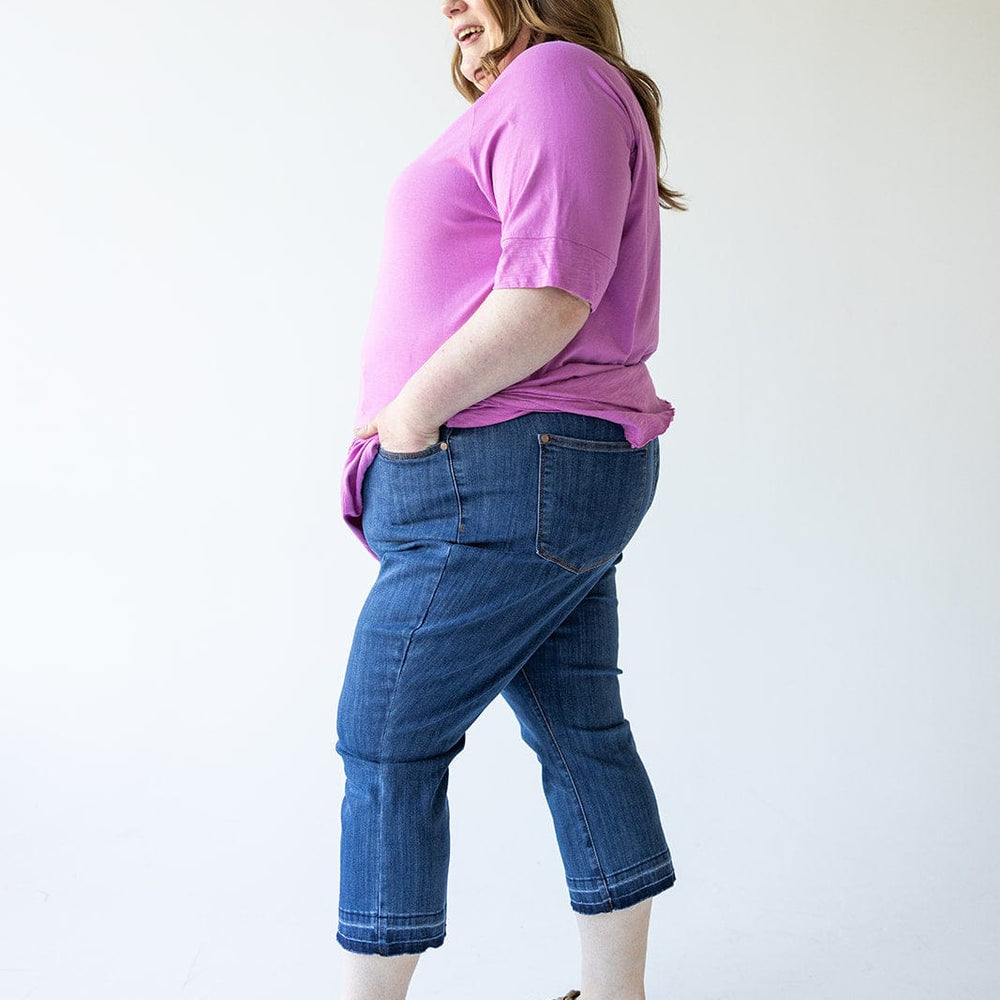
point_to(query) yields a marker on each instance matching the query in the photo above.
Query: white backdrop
(191, 199)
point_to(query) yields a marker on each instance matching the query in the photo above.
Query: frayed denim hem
(625, 888)
(371, 935)
(622, 901)
(391, 948)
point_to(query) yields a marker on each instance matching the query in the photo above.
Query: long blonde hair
(591, 23)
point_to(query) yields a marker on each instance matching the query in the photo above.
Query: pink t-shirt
(547, 179)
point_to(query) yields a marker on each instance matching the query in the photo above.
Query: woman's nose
(451, 7)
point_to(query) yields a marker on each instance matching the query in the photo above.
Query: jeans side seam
(460, 525)
(385, 728)
(572, 780)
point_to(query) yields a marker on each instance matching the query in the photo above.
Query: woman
(506, 452)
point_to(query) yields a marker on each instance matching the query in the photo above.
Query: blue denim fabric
(498, 548)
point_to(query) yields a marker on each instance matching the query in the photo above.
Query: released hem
(624, 888)
(388, 948)
(629, 899)
(369, 934)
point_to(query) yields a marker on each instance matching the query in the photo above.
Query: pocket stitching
(584, 444)
(409, 456)
(577, 444)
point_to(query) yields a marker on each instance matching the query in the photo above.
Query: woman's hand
(398, 430)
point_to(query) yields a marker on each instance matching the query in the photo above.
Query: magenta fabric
(548, 179)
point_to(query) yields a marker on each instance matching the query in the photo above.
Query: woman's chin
(474, 74)
(480, 78)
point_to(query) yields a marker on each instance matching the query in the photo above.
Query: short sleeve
(556, 155)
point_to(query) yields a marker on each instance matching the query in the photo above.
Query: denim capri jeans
(497, 553)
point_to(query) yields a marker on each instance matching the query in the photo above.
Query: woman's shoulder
(564, 86)
(555, 73)
(555, 56)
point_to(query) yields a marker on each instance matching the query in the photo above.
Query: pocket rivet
(444, 445)
(544, 439)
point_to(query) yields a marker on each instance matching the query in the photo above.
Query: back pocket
(591, 497)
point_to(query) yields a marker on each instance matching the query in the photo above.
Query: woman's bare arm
(512, 334)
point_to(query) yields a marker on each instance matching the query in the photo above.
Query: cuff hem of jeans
(388, 948)
(621, 900)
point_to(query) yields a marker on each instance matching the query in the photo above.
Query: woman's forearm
(512, 334)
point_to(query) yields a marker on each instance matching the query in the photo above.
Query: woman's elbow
(567, 309)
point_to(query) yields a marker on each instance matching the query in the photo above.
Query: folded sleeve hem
(553, 261)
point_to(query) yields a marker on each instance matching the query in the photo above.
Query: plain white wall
(191, 201)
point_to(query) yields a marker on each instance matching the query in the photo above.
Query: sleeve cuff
(542, 262)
